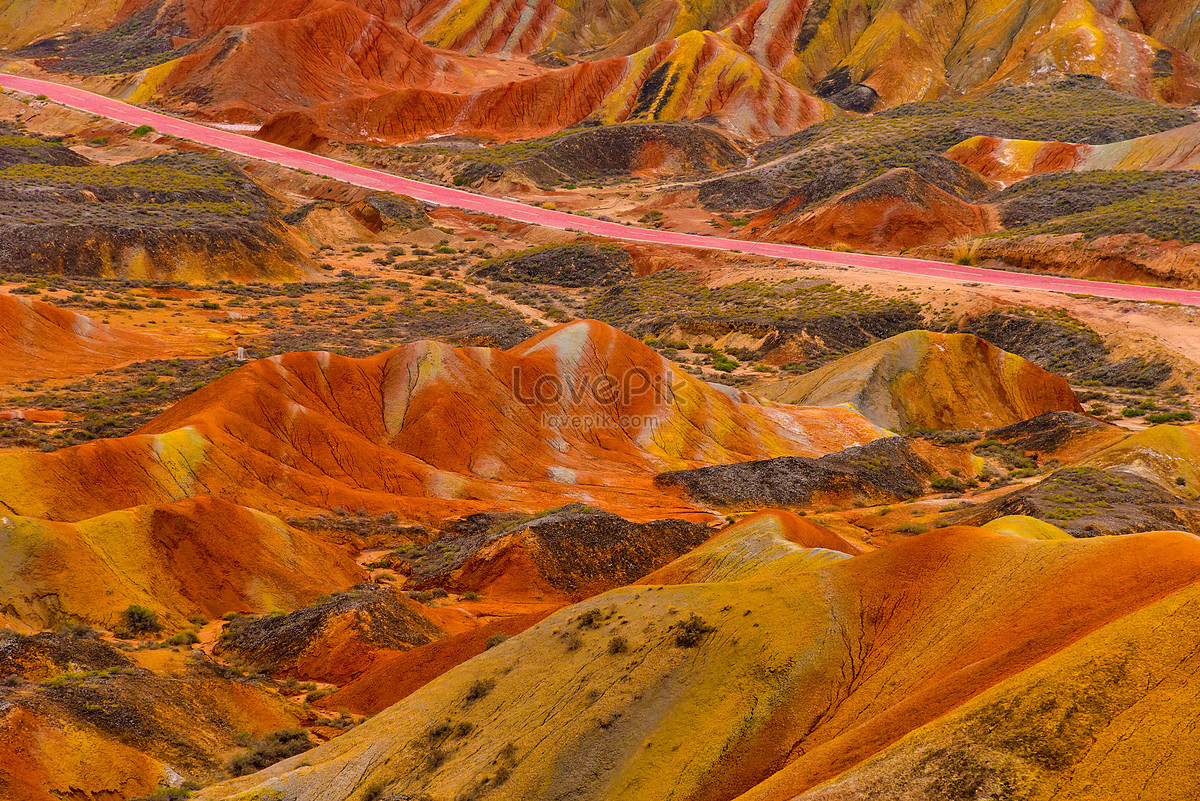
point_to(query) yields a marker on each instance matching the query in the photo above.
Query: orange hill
(1011, 160)
(899, 209)
(697, 75)
(580, 412)
(367, 70)
(38, 340)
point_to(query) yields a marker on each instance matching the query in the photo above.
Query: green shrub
(590, 619)
(1169, 417)
(688, 633)
(187, 637)
(479, 689)
(273, 748)
(140, 620)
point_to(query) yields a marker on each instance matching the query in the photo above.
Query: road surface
(523, 212)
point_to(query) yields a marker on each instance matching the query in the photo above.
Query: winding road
(515, 210)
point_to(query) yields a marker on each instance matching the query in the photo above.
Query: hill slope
(932, 662)
(41, 340)
(1010, 160)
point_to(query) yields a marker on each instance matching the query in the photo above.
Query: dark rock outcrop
(882, 471)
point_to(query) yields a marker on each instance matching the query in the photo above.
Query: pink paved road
(445, 196)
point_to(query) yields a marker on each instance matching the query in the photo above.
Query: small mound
(1056, 434)
(738, 192)
(569, 554)
(1024, 526)
(175, 216)
(577, 264)
(42, 341)
(882, 471)
(17, 148)
(38, 340)
(1010, 160)
(922, 379)
(331, 641)
(637, 149)
(1087, 501)
(899, 209)
(767, 542)
(1168, 455)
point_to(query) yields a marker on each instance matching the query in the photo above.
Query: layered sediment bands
(255, 69)
(1010, 160)
(929, 380)
(580, 412)
(523, 109)
(865, 57)
(695, 76)
(760, 69)
(807, 666)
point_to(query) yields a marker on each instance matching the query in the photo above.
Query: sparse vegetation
(479, 689)
(689, 632)
(835, 155)
(272, 748)
(140, 620)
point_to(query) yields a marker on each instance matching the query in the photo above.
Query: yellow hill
(1005, 650)
(931, 380)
